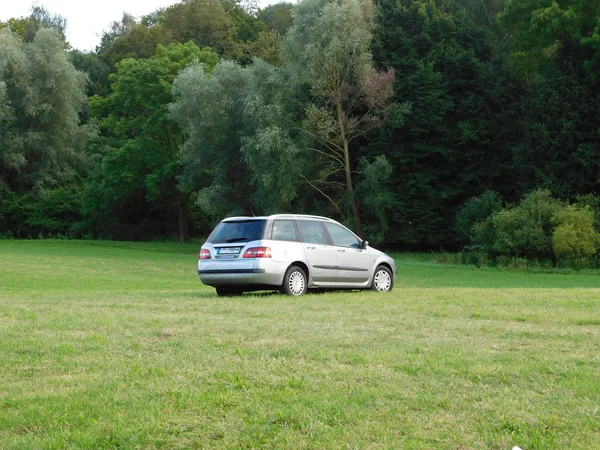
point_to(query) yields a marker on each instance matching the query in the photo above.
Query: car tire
(383, 281)
(228, 292)
(295, 282)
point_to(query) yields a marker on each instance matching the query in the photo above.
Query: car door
(355, 264)
(320, 255)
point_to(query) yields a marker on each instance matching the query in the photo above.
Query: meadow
(119, 345)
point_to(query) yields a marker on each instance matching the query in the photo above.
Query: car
(291, 253)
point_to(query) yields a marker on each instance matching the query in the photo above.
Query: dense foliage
(412, 121)
(240, 156)
(539, 228)
(41, 138)
(137, 152)
(464, 120)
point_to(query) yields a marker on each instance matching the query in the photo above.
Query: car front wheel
(295, 282)
(382, 280)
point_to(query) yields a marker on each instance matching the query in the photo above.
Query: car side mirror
(364, 244)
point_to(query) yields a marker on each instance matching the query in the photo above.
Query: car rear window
(237, 231)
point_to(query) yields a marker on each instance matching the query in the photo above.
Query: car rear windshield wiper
(238, 239)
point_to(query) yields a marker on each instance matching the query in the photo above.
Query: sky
(86, 20)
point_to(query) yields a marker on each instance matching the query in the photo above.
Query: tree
(240, 155)
(274, 151)
(139, 41)
(231, 28)
(95, 68)
(41, 138)
(42, 94)
(117, 30)
(560, 148)
(206, 23)
(541, 28)
(243, 14)
(277, 17)
(375, 189)
(138, 151)
(40, 17)
(557, 47)
(267, 47)
(328, 47)
(465, 117)
(210, 111)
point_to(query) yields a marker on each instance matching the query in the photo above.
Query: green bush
(575, 240)
(46, 213)
(483, 236)
(525, 230)
(475, 211)
(540, 231)
(593, 203)
(55, 211)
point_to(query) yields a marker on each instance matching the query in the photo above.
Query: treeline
(389, 116)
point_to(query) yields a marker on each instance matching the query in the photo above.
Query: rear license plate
(228, 251)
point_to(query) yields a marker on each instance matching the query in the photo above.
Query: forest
(420, 124)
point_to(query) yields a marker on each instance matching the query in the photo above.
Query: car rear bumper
(265, 273)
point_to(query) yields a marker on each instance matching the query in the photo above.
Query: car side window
(341, 237)
(313, 232)
(284, 230)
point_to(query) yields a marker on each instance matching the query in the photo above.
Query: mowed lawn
(118, 345)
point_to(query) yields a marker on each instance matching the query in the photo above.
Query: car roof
(280, 216)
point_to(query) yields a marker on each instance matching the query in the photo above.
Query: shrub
(483, 236)
(474, 211)
(541, 230)
(593, 203)
(55, 211)
(525, 230)
(575, 240)
(41, 213)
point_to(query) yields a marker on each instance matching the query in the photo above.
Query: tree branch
(335, 205)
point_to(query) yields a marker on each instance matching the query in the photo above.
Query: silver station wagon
(291, 253)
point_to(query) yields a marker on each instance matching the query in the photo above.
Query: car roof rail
(300, 216)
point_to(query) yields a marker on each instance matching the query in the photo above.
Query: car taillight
(258, 252)
(205, 253)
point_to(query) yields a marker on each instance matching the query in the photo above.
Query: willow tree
(41, 135)
(240, 155)
(41, 96)
(328, 49)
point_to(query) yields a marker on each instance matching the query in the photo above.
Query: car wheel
(295, 282)
(382, 280)
(228, 292)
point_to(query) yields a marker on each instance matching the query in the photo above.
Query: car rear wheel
(382, 280)
(295, 282)
(228, 292)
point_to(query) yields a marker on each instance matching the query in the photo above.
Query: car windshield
(237, 231)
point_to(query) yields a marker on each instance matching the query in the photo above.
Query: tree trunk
(183, 222)
(350, 187)
(347, 170)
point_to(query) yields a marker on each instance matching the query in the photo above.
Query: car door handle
(310, 248)
(341, 250)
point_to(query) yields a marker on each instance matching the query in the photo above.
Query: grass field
(118, 345)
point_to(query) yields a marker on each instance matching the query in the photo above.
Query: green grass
(118, 345)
